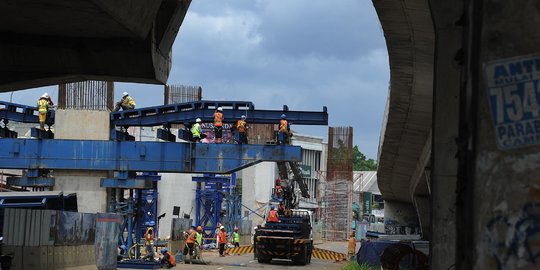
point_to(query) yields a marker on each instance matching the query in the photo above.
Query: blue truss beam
(189, 112)
(138, 156)
(22, 113)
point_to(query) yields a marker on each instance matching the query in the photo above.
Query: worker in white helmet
(49, 99)
(196, 131)
(126, 103)
(218, 125)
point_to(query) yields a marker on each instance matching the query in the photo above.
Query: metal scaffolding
(336, 185)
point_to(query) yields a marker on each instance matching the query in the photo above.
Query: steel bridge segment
(138, 156)
(22, 113)
(232, 110)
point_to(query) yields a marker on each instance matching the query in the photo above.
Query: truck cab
(290, 238)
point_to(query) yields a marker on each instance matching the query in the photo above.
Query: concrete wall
(174, 190)
(81, 124)
(257, 183)
(400, 218)
(87, 125)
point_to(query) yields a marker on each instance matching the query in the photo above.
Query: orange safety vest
(283, 125)
(273, 216)
(43, 105)
(241, 125)
(192, 238)
(218, 119)
(172, 259)
(222, 237)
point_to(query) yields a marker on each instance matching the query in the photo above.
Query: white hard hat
(43, 96)
(222, 227)
(219, 109)
(125, 94)
(46, 95)
(243, 117)
(198, 120)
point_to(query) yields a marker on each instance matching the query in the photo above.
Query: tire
(303, 258)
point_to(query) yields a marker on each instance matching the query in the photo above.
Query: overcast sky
(303, 53)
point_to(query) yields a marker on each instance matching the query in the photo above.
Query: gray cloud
(306, 54)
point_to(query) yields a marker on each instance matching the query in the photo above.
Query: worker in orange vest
(167, 259)
(273, 215)
(284, 130)
(218, 125)
(352, 246)
(149, 243)
(222, 240)
(242, 126)
(190, 242)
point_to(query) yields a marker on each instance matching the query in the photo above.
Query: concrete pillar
(448, 24)
(175, 189)
(504, 180)
(423, 209)
(87, 125)
(257, 184)
(400, 218)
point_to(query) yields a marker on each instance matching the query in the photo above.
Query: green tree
(360, 163)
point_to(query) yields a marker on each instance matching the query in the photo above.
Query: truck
(290, 238)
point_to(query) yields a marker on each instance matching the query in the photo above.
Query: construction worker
(126, 103)
(149, 242)
(284, 130)
(196, 131)
(236, 237)
(242, 126)
(278, 190)
(190, 242)
(199, 235)
(198, 241)
(352, 246)
(281, 209)
(167, 259)
(43, 108)
(218, 125)
(273, 215)
(222, 240)
(216, 233)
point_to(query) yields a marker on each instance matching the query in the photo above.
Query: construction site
(361, 135)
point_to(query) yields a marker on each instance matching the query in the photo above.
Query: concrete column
(423, 209)
(257, 184)
(448, 21)
(506, 191)
(400, 218)
(175, 189)
(87, 125)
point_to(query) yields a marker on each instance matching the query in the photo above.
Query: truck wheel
(303, 257)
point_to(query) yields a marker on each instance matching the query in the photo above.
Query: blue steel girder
(189, 112)
(22, 113)
(138, 156)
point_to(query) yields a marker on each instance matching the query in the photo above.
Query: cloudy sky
(303, 53)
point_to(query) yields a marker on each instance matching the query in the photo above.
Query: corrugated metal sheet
(14, 226)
